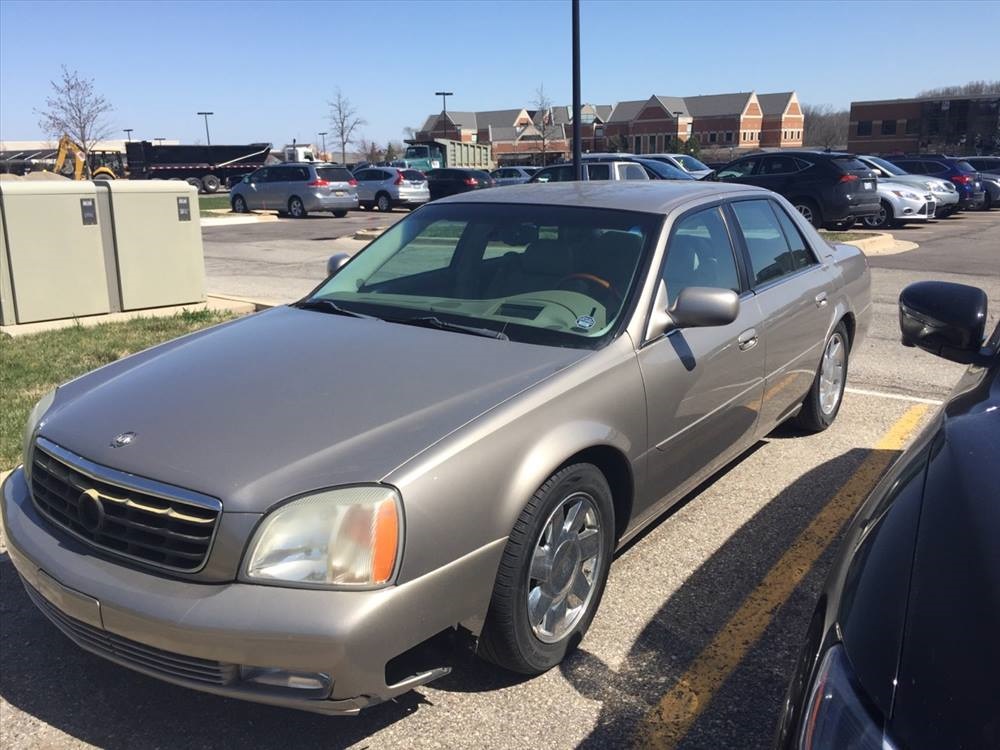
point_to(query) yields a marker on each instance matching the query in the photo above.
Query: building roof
(604, 111)
(496, 118)
(939, 98)
(673, 104)
(775, 104)
(718, 105)
(467, 120)
(503, 133)
(626, 111)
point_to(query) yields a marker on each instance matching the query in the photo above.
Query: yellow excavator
(104, 165)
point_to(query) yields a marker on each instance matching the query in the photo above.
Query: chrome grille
(132, 653)
(121, 514)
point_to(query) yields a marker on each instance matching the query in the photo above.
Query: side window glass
(261, 175)
(737, 170)
(599, 171)
(780, 165)
(801, 254)
(770, 255)
(634, 172)
(700, 254)
(302, 174)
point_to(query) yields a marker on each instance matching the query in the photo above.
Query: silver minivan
(385, 188)
(296, 189)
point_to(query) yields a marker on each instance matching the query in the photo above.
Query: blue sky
(267, 69)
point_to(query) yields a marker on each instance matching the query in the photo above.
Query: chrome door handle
(820, 299)
(747, 339)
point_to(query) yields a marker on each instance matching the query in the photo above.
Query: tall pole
(323, 136)
(128, 132)
(444, 105)
(577, 146)
(208, 138)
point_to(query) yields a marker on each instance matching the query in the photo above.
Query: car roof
(652, 196)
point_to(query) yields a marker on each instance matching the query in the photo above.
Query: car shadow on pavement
(744, 710)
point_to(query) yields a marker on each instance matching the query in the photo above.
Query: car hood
(912, 180)
(890, 185)
(288, 401)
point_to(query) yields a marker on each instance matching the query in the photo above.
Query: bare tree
(543, 119)
(77, 110)
(824, 126)
(370, 150)
(972, 88)
(344, 119)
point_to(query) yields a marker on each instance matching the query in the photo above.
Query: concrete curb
(221, 304)
(228, 219)
(880, 243)
(368, 234)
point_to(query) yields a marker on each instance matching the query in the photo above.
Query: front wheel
(882, 219)
(383, 203)
(296, 209)
(823, 401)
(552, 573)
(340, 214)
(810, 211)
(239, 205)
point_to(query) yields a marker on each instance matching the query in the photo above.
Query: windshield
(415, 152)
(555, 275)
(690, 163)
(886, 165)
(664, 170)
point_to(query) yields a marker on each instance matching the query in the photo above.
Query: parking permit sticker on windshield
(585, 322)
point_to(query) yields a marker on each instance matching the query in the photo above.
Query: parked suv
(451, 181)
(944, 191)
(296, 189)
(989, 173)
(959, 171)
(593, 170)
(385, 188)
(826, 187)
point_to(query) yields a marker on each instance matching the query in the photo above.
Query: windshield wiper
(329, 306)
(430, 321)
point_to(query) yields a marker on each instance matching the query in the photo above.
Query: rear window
(413, 175)
(964, 166)
(334, 174)
(849, 163)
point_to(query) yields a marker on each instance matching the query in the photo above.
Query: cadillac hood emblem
(126, 438)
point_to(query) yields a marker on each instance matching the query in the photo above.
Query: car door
(364, 178)
(778, 173)
(256, 188)
(276, 189)
(790, 284)
(703, 385)
(741, 170)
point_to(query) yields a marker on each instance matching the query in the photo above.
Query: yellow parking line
(667, 722)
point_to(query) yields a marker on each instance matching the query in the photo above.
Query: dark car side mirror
(712, 176)
(336, 262)
(943, 318)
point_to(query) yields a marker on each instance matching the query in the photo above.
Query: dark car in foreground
(971, 194)
(447, 440)
(452, 181)
(827, 188)
(901, 653)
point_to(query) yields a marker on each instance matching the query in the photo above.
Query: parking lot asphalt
(703, 614)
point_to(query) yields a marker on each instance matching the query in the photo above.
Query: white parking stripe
(894, 396)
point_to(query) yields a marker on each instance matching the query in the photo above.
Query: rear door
(256, 189)
(703, 385)
(279, 185)
(339, 180)
(790, 286)
(366, 179)
(779, 173)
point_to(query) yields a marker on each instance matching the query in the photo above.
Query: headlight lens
(347, 537)
(31, 428)
(906, 194)
(835, 714)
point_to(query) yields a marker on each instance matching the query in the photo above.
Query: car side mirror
(246, 180)
(336, 262)
(712, 176)
(695, 307)
(943, 318)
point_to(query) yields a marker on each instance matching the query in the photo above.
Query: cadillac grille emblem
(90, 510)
(126, 438)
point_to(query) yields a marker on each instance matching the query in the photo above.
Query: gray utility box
(155, 236)
(53, 263)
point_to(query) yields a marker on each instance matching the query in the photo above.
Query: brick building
(644, 126)
(961, 125)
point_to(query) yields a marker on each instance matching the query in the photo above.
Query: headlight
(906, 194)
(835, 715)
(31, 429)
(347, 537)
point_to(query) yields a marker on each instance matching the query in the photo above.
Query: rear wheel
(881, 220)
(988, 202)
(823, 401)
(211, 183)
(196, 182)
(240, 205)
(340, 214)
(809, 210)
(296, 209)
(383, 203)
(552, 573)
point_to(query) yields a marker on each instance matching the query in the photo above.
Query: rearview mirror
(695, 307)
(943, 318)
(336, 262)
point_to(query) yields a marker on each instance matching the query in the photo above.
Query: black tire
(340, 214)
(196, 182)
(383, 203)
(987, 202)
(211, 183)
(815, 417)
(240, 205)
(883, 220)
(296, 208)
(809, 210)
(508, 638)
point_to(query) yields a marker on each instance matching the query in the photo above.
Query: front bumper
(200, 635)
(907, 209)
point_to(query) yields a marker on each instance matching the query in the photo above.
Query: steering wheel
(591, 279)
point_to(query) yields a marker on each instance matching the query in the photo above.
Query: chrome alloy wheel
(831, 374)
(564, 565)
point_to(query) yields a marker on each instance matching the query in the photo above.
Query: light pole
(159, 141)
(323, 136)
(444, 101)
(128, 133)
(208, 138)
(577, 146)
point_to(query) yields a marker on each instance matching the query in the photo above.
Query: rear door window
(802, 255)
(599, 171)
(300, 174)
(770, 255)
(700, 253)
(632, 172)
(779, 165)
